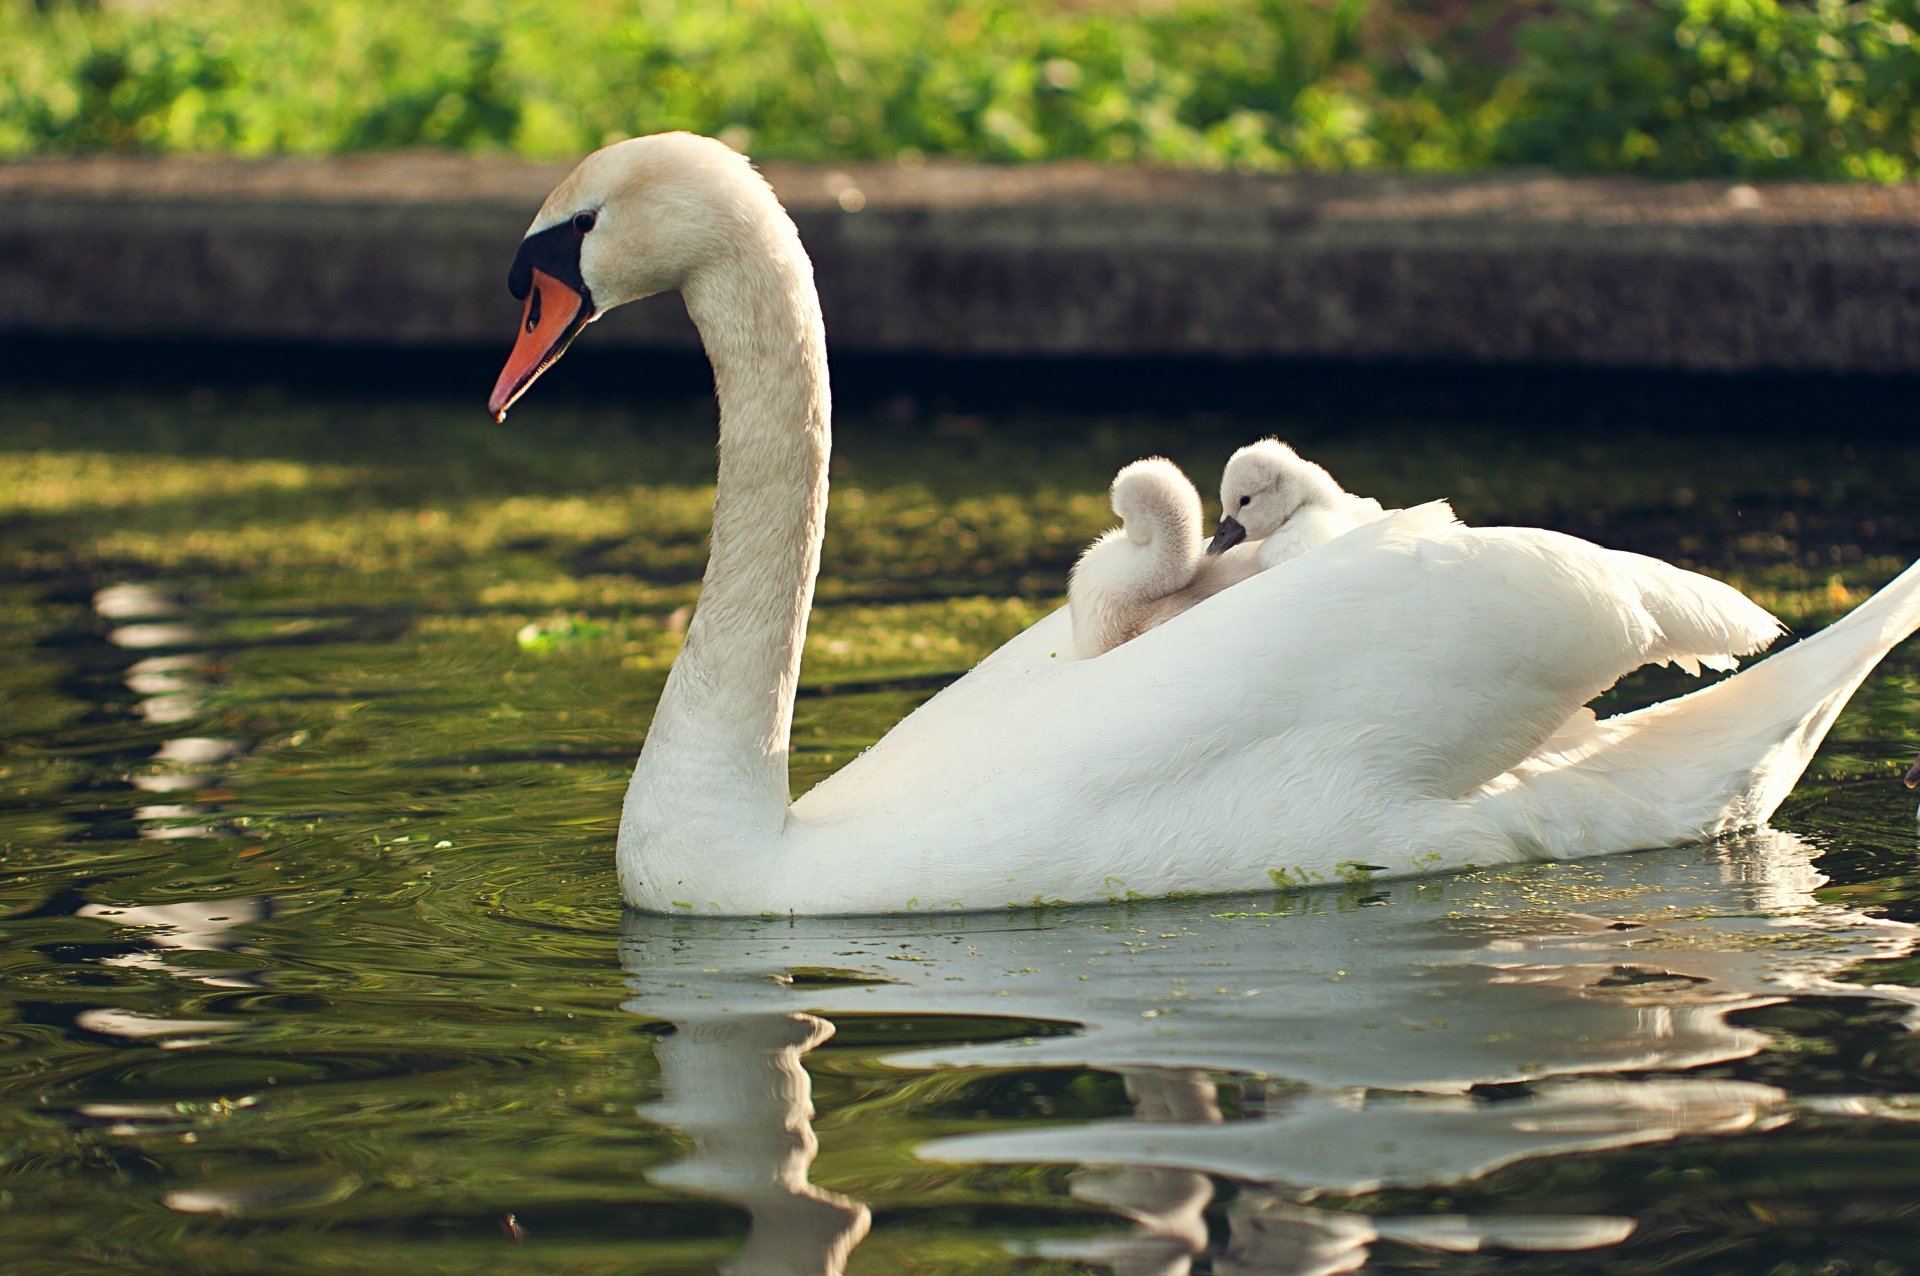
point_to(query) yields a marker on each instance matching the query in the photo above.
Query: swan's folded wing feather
(1701, 621)
(1532, 624)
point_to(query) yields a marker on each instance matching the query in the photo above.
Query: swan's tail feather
(1722, 758)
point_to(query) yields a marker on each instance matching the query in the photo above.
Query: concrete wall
(1058, 260)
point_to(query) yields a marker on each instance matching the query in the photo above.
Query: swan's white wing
(1516, 628)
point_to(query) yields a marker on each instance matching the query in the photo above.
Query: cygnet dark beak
(1231, 534)
(1913, 775)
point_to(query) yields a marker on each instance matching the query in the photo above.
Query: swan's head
(632, 219)
(1264, 485)
(1155, 500)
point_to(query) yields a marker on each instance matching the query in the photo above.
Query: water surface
(318, 712)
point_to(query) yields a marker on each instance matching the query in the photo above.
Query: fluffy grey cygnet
(1271, 494)
(1152, 567)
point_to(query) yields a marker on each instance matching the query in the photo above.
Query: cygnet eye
(583, 222)
(1245, 501)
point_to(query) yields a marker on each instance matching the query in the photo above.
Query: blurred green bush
(1754, 87)
(1748, 87)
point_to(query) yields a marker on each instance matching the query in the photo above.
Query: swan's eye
(1245, 501)
(583, 222)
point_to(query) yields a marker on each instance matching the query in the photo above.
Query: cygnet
(1152, 567)
(1270, 494)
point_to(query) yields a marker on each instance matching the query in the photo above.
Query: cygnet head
(1157, 503)
(1264, 485)
(635, 218)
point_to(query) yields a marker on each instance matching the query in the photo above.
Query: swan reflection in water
(1352, 1034)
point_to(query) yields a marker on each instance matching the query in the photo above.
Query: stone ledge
(1066, 260)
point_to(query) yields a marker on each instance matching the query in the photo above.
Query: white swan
(1271, 494)
(1152, 567)
(1409, 696)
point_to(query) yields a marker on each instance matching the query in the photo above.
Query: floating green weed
(559, 631)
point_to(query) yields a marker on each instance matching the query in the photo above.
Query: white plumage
(1409, 696)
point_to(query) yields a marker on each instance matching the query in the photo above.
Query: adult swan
(1407, 698)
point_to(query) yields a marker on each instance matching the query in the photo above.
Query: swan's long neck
(712, 778)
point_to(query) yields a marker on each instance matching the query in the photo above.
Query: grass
(1747, 87)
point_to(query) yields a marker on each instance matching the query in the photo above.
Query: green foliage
(1823, 89)
(1723, 86)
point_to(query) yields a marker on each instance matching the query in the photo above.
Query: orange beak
(554, 314)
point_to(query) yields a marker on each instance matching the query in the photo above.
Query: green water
(317, 717)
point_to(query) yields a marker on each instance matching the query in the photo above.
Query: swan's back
(1274, 697)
